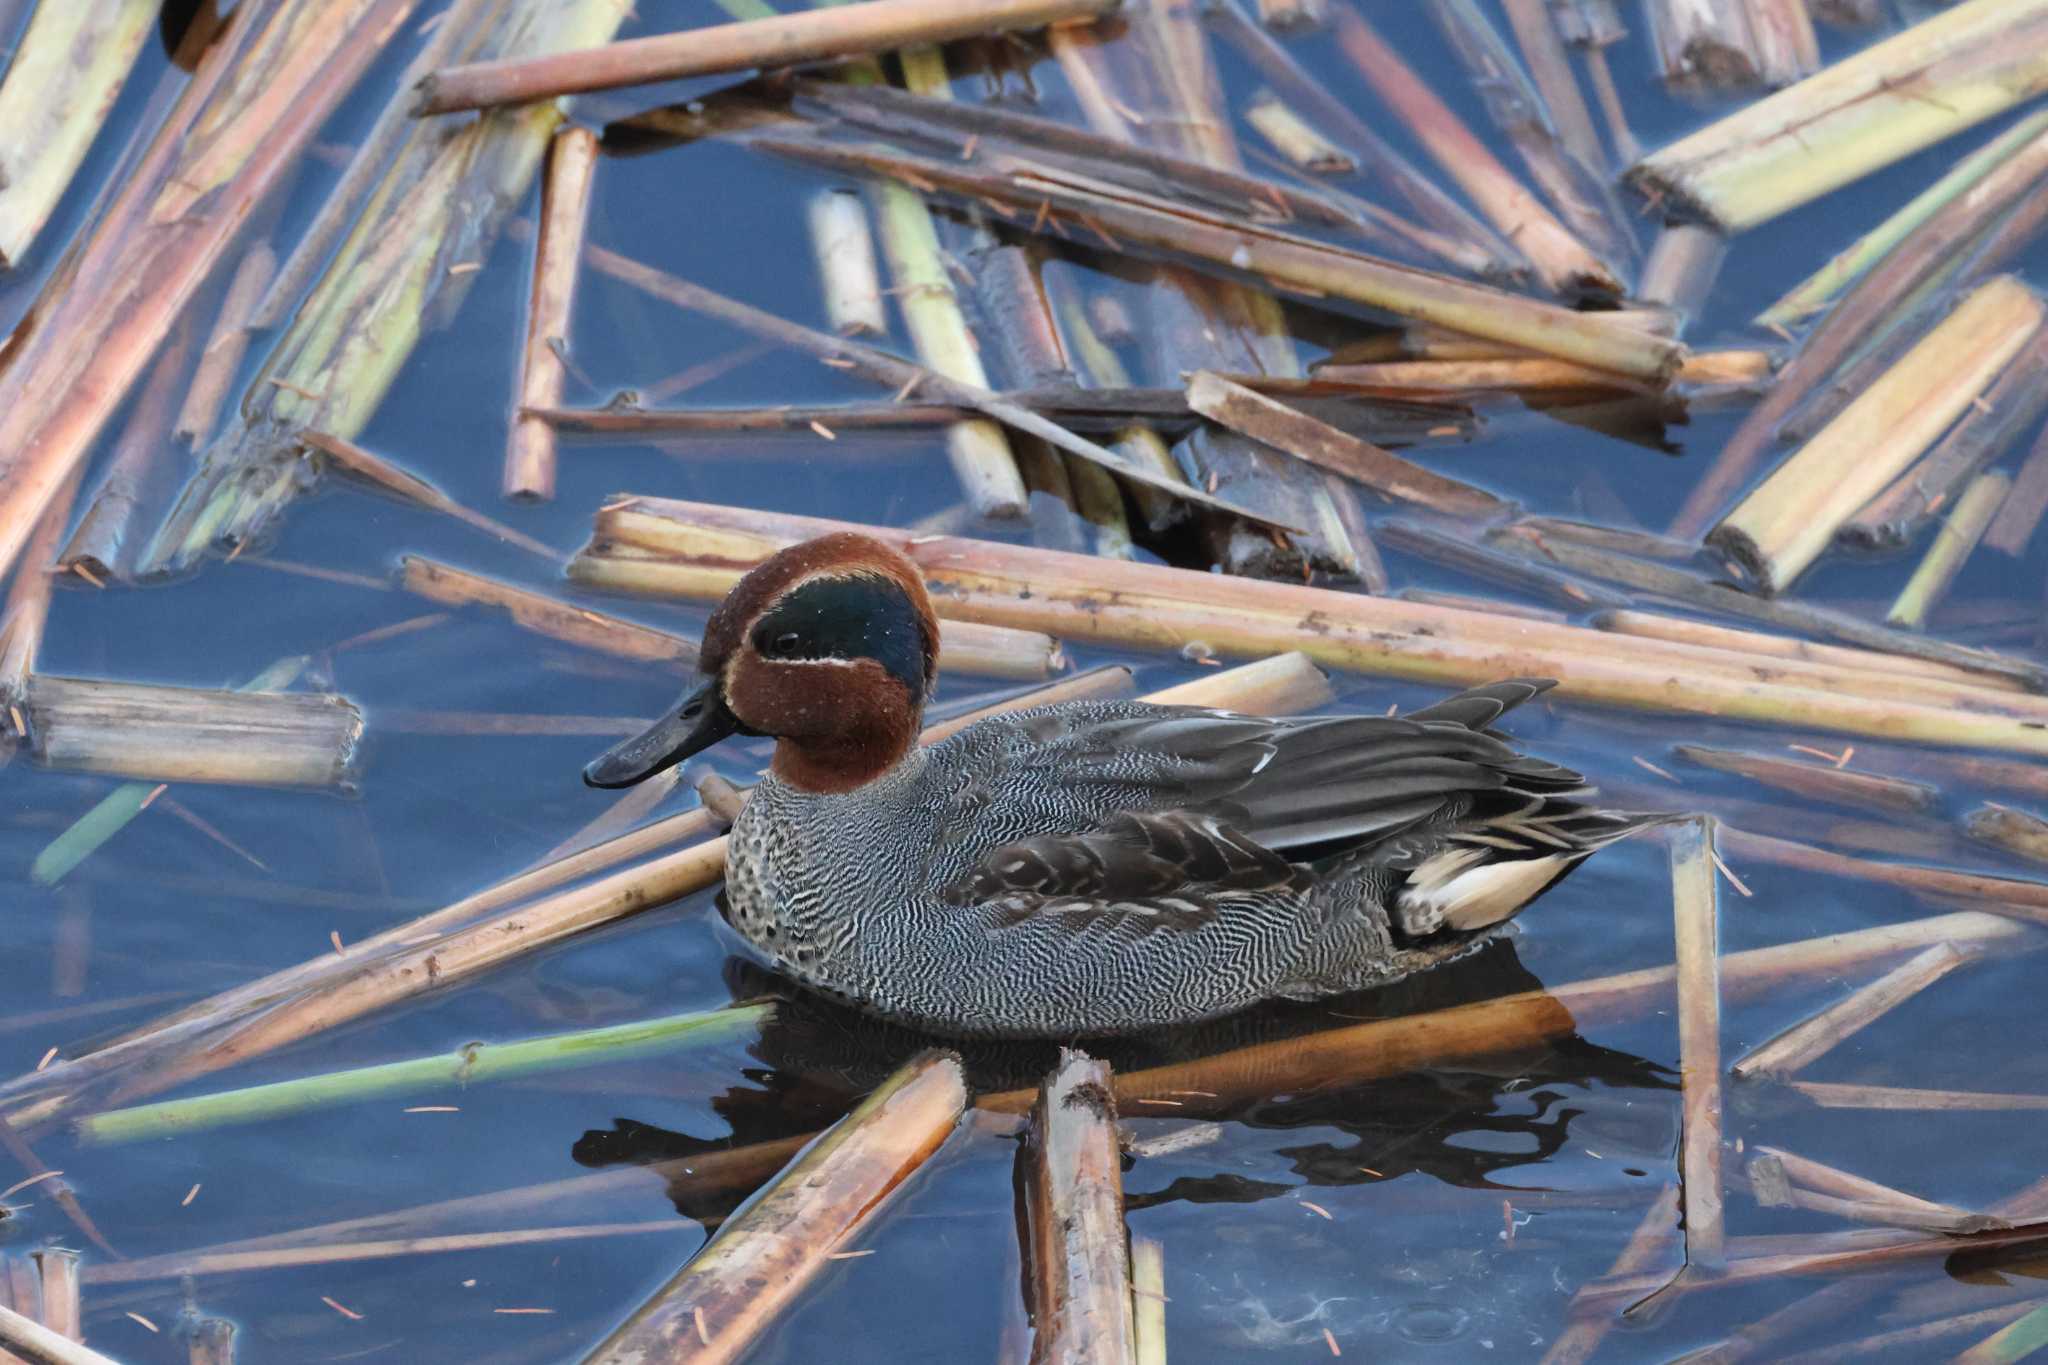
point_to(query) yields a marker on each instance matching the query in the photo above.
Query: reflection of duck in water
(1090, 868)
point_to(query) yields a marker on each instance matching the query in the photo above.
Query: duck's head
(830, 646)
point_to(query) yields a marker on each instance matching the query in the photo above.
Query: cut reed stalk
(388, 476)
(1585, 1329)
(845, 252)
(1818, 781)
(1295, 138)
(1819, 289)
(62, 81)
(2025, 504)
(1704, 43)
(1831, 1095)
(1953, 543)
(1695, 909)
(1825, 1179)
(179, 734)
(100, 540)
(543, 615)
(1564, 262)
(1814, 1037)
(24, 613)
(57, 1269)
(1782, 527)
(1653, 626)
(1550, 67)
(251, 106)
(1787, 48)
(473, 1064)
(1148, 1301)
(1437, 379)
(1684, 262)
(1308, 438)
(39, 1345)
(557, 265)
(694, 549)
(1073, 1223)
(2015, 831)
(763, 1257)
(1942, 75)
(783, 40)
(225, 346)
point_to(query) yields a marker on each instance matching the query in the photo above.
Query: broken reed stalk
(1818, 781)
(62, 81)
(1942, 75)
(25, 612)
(1819, 289)
(2019, 898)
(891, 372)
(1295, 138)
(557, 265)
(1073, 1221)
(784, 40)
(1955, 539)
(543, 615)
(221, 359)
(250, 108)
(99, 543)
(1874, 303)
(472, 1064)
(1816, 1036)
(442, 948)
(2025, 504)
(1827, 1180)
(1308, 438)
(1830, 1095)
(699, 550)
(1684, 262)
(1695, 908)
(39, 1345)
(845, 252)
(1437, 379)
(763, 1257)
(1148, 1301)
(389, 477)
(1454, 547)
(1543, 52)
(1586, 1326)
(2015, 831)
(1783, 526)
(182, 734)
(1563, 262)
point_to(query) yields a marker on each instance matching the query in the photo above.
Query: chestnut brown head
(830, 646)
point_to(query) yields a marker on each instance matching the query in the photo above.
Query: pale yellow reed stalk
(1295, 138)
(1695, 908)
(1958, 535)
(845, 252)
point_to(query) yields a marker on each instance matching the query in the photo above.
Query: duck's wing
(1201, 811)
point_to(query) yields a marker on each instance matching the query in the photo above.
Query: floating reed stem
(1819, 289)
(473, 1064)
(1653, 626)
(63, 79)
(1696, 917)
(1317, 442)
(1829, 1095)
(1957, 537)
(1561, 259)
(389, 477)
(250, 108)
(1454, 548)
(557, 265)
(181, 734)
(100, 541)
(543, 615)
(1295, 138)
(221, 359)
(1843, 1186)
(1784, 525)
(2015, 831)
(2006, 895)
(699, 550)
(1942, 75)
(1440, 379)
(845, 252)
(1646, 1247)
(39, 1345)
(2025, 504)
(1074, 1221)
(1818, 781)
(24, 613)
(1550, 66)
(1816, 1036)
(762, 1258)
(784, 40)
(1684, 262)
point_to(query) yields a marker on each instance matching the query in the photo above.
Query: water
(1444, 1215)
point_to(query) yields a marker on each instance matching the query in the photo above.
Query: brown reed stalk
(24, 613)
(2024, 505)
(642, 545)
(100, 541)
(2015, 831)
(1073, 1220)
(252, 105)
(376, 470)
(784, 40)
(1828, 1180)
(2012, 896)
(557, 265)
(1817, 1035)
(1543, 51)
(178, 734)
(1562, 260)
(1817, 781)
(1295, 138)
(1783, 526)
(1915, 1340)
(1438, 379)
(1584, 1330)
(349, 1253)
(1851, 323)
(221, 357)
(544, 615)
(1831, 1095)
(721, 1300)
(1695, 908)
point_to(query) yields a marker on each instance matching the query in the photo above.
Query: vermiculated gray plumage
(1099, 867)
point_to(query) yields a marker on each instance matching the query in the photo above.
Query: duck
(1090, 868)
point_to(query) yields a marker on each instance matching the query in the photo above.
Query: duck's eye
(785, 643)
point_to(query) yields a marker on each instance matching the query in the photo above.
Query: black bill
(699, 721)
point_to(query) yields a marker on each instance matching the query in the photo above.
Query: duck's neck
(842, 763)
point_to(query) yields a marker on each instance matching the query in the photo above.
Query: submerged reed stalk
(1843, 1185)
(2015, 831)
(1953, 542)
(1833, 1095)
(1942, 75)
(181, 734)
(1816, 1036)
(763, 1257)
(544, 615)
(557, 265)
(1074, 1221)
(1818, 781)
(1587, 1325)
(2025, 504)
(783, 40)
(376, 470)
(1783, 526)
(1550, 67)
(225, 347)
(845, 252)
